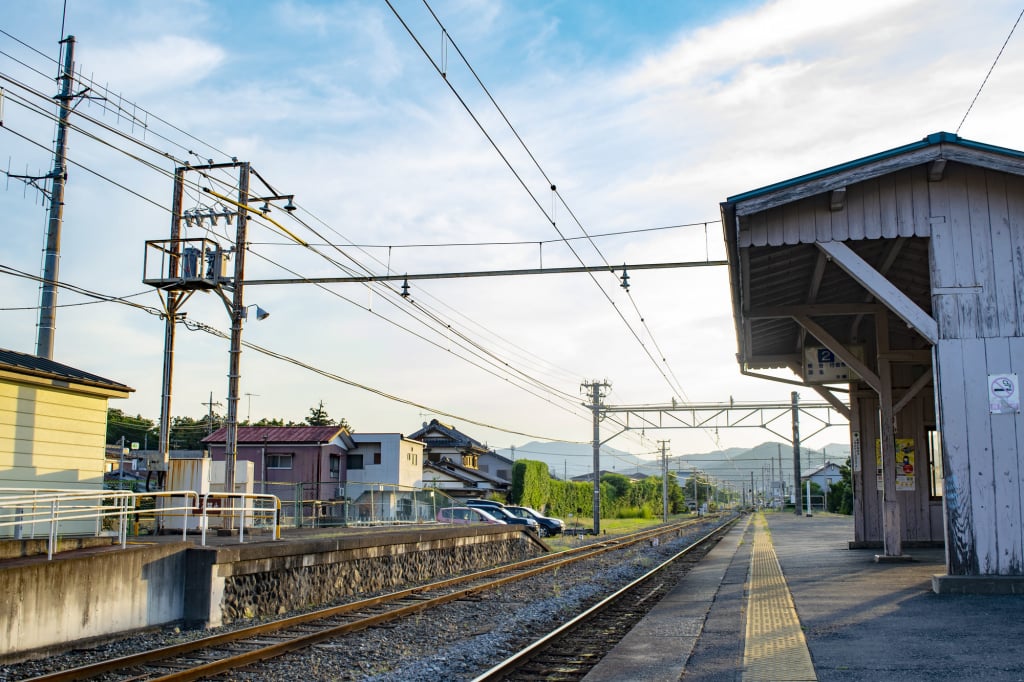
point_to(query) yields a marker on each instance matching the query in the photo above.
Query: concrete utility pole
(795, 398)
(664, 481)
(595, 405)
(173, 302)
(51, 255)
(237, 315)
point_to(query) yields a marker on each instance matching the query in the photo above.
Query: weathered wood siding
(977, 271)
(892, 206)
(921, 521)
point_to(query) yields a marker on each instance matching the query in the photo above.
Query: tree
(133, 429)
(318, 417)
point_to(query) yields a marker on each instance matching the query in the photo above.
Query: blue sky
(644, 114)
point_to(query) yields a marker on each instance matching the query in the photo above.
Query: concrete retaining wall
(51, 605)
(48, 603)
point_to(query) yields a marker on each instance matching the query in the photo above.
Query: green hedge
(621, 497)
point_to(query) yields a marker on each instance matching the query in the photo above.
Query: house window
(335, 466)
(279, 461)
(354, 462)
(376, 458)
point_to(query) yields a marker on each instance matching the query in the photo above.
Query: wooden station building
(893, 285)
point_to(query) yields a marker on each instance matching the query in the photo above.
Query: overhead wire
(515, 173)
(989, 73)
(278, 225)
(195, 325)
(166, 155)
(153, 149)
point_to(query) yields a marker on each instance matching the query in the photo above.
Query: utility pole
(209, 414)
(664, 482)
(237, 309)
(51, 254)
(173, 301)
(795, 398)
(595, 387)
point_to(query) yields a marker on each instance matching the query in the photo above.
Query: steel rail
(526, 568)
(523, 656)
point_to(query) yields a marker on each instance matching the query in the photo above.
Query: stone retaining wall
(269, 593)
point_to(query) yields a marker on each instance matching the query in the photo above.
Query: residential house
(463, 482)
(345, 475)
(381, 471)
(292, 462)
(53, 426)
(443, 441)
(495, 465)
(825, 475)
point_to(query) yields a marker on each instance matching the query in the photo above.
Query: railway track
(571, 650)
(222, 653)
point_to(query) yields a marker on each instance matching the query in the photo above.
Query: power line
(522, 242)
(549, 216)
(193, 325)
(990, 69)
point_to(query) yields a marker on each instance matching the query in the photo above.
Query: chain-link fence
(327, 503)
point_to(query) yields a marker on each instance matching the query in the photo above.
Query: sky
(415, 144)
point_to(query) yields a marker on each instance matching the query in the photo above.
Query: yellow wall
(51, 437)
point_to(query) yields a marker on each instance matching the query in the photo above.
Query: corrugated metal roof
(33, 364)
(278, 434)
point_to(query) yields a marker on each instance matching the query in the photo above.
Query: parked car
(484, 503)
(548, 525)
(463, 515)
(512, 519)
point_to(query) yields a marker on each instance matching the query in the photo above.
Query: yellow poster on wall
(905, 463)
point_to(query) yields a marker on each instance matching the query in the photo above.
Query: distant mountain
(577, 458)
(732, 465)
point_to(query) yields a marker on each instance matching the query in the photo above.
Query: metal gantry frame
(730, 415)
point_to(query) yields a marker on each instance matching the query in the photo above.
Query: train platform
(782, 597)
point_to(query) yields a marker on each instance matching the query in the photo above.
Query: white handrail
(229, 510)
(53, 507)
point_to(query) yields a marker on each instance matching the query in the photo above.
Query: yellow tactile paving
(775, 647)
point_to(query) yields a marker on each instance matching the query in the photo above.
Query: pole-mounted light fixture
(261, 314)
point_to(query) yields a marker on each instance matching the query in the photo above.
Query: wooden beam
(892, 512)
(826, 393)
(815, 310)
(917, 357)
(882, 289)
(936, 169)
(915, 388)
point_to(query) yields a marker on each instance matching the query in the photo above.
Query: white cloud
(162, 64)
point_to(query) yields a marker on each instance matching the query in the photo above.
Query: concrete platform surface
(861, 620)
(881, 621)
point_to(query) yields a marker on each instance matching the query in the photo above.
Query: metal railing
(31, 513)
